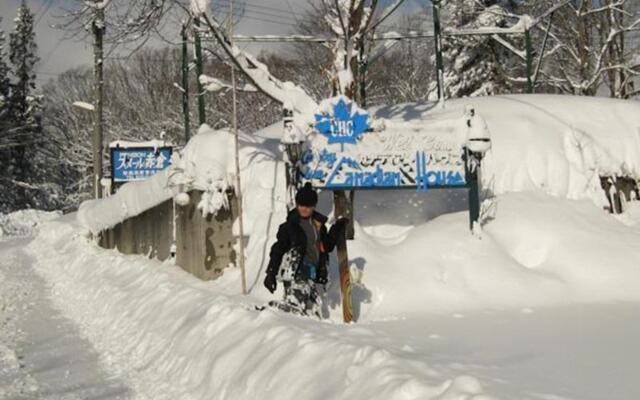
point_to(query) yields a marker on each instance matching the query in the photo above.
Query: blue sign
(138, 163)
(342, 126)
(421, 170)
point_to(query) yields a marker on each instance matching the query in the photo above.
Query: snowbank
(535, 251)
(24, 222)
(131, 199)
(174, 337)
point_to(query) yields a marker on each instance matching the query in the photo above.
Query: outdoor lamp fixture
(291, 139)
(478, 135)
(294, 152)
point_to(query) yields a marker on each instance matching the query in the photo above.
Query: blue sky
(58, 53)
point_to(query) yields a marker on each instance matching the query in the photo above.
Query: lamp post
(478, 143)
(96, 147)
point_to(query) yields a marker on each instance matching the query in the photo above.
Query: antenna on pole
(241, 259)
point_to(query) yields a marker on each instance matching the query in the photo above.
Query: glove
(321, 278)
(338, 227)
(270, 283)
(341, 222)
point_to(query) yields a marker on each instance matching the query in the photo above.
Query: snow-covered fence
(149, 233)
(203, 244)
(183, 211)
(619, 191)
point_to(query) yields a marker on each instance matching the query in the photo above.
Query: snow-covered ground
(541, 305)
(43, 355)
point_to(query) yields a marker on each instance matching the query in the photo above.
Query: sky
(58, 53)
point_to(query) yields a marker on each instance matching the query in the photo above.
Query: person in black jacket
(305, 230)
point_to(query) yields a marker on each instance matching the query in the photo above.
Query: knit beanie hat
(306, 196)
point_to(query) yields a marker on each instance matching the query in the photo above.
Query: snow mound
(176, 337)
(24, 222)
(535, 251)
(131, 199)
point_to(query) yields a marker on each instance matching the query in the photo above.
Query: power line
(49, 3)
(246, 4)
(252, 11)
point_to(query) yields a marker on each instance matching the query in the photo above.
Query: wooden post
(185, 84)
(340, 208)
(243, 275)
(98, 28)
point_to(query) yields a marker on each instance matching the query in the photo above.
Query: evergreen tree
(473, 64)
(4, 70)
(5, 153)
(24, 105)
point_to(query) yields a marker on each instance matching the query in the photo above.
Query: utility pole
(241, 258)
(199, 70)
(363, 64)
(185, 83)
(98, 28)
(437, 33)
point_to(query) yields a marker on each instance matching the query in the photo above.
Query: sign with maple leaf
(345, 124)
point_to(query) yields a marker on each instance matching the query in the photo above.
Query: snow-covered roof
(560, 144)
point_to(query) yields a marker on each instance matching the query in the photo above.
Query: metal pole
(199, 70)
(529, 50)
(472, 165)
(185, 84)
(437, 31)
(98, 28)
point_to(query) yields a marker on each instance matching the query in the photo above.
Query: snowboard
(300, 295)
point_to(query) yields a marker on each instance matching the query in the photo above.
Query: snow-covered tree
(591, 44)
(24, 104)
(4, 68)
(473, 64)
(23, 56)
(5, 126)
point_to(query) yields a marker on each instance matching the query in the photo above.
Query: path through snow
(42, 355)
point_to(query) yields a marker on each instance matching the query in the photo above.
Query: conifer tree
(473, 64)
(24, 105)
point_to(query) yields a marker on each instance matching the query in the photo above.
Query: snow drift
(175, 337)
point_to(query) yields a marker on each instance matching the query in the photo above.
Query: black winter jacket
(290, 235)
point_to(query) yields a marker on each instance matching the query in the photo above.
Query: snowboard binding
(300, 293)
